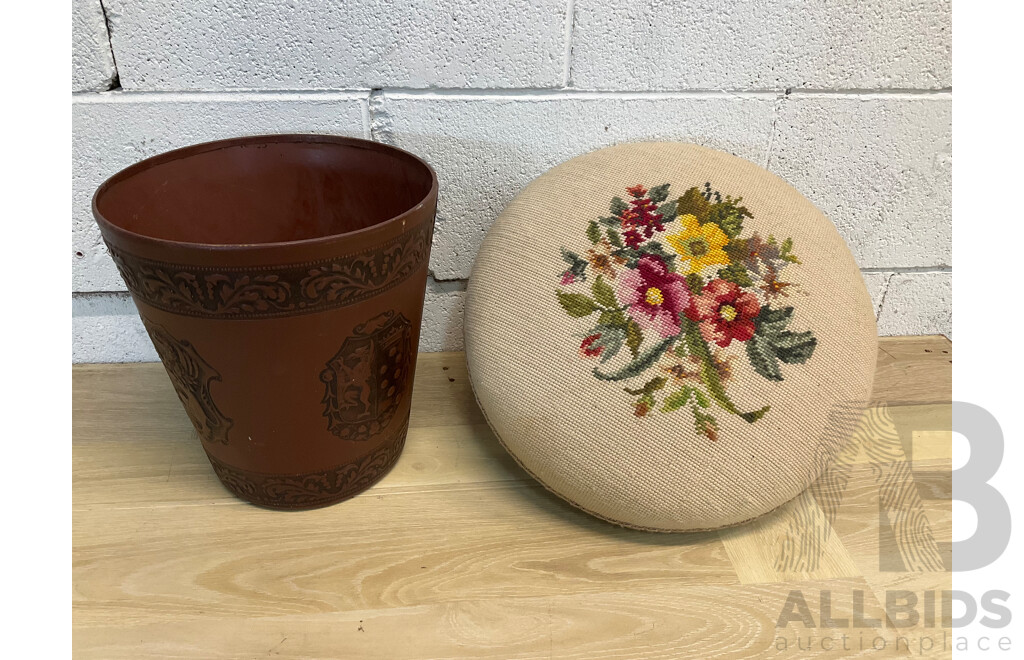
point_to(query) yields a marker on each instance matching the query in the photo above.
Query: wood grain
(458, 553)
(651, 622)
(914, 370)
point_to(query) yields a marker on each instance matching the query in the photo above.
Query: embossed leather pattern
(366, 379)
(267, 291)
(191, 376)
(315, 489)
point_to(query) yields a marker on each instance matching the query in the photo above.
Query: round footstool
(669, 337)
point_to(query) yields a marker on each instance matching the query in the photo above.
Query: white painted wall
(849, 101)
(92, 61)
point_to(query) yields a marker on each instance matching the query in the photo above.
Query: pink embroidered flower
(654, 295)
(724, 312)
(587, 348)
(567, 278)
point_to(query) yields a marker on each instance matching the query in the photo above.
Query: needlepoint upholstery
(669, 337)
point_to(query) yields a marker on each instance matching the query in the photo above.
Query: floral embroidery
(677, 309)
(724, 312)
(653, 296)
(700, 244)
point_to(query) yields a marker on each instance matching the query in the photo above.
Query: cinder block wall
(849, 101)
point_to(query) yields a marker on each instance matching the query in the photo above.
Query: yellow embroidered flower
(700, 244)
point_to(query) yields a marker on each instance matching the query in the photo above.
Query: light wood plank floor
(457, 553)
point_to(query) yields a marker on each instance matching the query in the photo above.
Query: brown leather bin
(281, 279)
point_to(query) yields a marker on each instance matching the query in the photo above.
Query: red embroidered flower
(587, 348)
(654, 295)
(639, 220)
(632, 238)
(725, 312)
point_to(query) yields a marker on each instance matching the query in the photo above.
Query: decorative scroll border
(269, 291)
(303, 491)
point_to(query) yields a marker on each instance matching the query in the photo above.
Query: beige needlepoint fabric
(669, 337)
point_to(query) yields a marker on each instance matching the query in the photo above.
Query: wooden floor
(457, 553)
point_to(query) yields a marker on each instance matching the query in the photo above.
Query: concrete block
(487, 148)
(759, 44)
(106, 327)
(234, 44)
(442, 317)
(92, 63)
(880, 167)
(113, 131)
(918, 304)
(876, 283)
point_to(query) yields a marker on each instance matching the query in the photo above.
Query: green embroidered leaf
(786, 251)
(710, 376)
(693, 203)
(593, 232)
(751, 417)
(639, 365)
(633, 255)
(650, 387)
(618, 206)
(611, 339)
(772, 321)
(772, 343)
(576, 304)
(705, 424)
(577, 266)
(633, 337)
(702, 400)
(667, 211)
(794, 347)
(603, 293)
(657, 249)
(613, 237)
(727, 213)
(677, 399)
(610, 222)
(731, 224)
(644, 405)
(737, 249)
(654, 247)
(695, 282)
(657, 194)
(737, 274)
(615, 318)
(762, 358)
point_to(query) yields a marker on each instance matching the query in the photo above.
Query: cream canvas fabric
(758, 336)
